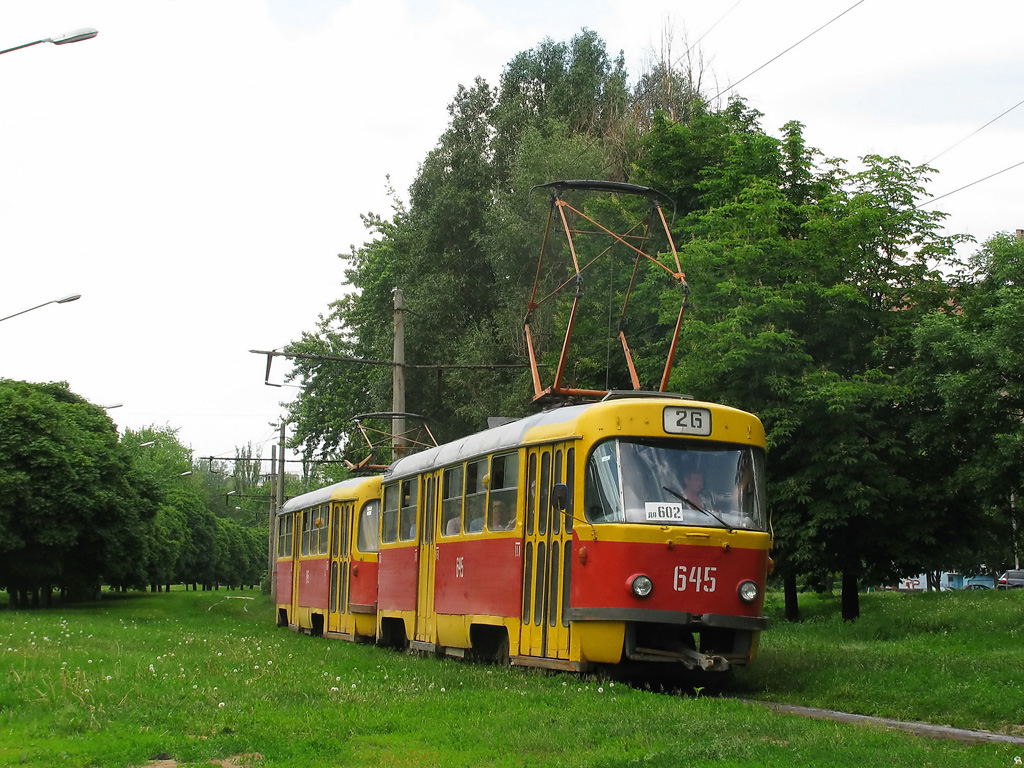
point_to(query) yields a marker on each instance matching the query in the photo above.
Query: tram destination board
(687, 420)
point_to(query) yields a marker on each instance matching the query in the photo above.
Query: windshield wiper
(698, 507)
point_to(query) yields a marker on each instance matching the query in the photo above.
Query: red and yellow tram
(628, 530)
(327, 560)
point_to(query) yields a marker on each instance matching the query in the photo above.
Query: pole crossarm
(272, 353)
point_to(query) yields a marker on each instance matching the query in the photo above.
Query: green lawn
(206, 675)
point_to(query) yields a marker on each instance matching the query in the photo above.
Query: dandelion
(221, 704)
(354, 687)
(600, 690)
(334, 689)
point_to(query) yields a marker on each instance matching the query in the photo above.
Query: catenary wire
(780, 55)
(979, 130)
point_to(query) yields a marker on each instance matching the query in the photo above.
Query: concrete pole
(272, 525)
(398, 379)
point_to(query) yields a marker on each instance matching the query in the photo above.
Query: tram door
(296, 564)
(426, 625)
(339, 619)
(546, 566)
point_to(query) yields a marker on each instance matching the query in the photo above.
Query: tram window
(556, 515)
(336, 528)
(343, 523)
(323, 530)
(407, 514)
(501, 512)
(451, 501)
(602, 497)
(570, 484)
(333, 606)
(545, 493)
(538, 585)
(676, 483)
(531, 493)
(528, 586)
(389, 522)
(284, 537)
(476, 495)
(307, 529)
(554, 586)
(369, 530)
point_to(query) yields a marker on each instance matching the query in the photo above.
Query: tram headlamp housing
(641, 585)
(748, 591)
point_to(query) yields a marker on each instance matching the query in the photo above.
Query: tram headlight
(749, 591)
(641, 585)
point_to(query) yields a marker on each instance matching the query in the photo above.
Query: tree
(971, 372)
(806, 288)
(72, 512)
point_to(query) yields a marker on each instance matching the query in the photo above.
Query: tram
(327, 560)
(626, 530)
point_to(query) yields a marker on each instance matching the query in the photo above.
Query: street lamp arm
(85, 33)
(65, 300)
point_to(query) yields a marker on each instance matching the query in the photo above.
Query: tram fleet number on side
(699, 578)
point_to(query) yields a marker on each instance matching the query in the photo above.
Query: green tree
(971, 374)
(72, 511)
(806, 288)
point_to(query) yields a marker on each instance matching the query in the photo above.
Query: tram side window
(284, 536)
(451, 502)
(369, 527)
(476, 495)
(602, 495)
(323, 530)
(389, 522)
(407, 513)
(501, 512)
(307, 528)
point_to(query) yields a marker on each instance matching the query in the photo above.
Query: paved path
(920, 729)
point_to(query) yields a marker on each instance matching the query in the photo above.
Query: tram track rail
(925, 730)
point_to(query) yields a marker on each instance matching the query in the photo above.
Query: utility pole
(398, 446)
(272, 525)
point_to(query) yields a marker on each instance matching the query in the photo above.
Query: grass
(206, 675)
(948, 658)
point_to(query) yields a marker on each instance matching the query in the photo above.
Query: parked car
(1011, 580)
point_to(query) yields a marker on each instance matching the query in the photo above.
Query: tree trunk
(792, 603)
(851, 598)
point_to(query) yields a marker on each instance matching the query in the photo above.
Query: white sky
(195, 169)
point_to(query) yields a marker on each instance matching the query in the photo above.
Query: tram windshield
(666, 483)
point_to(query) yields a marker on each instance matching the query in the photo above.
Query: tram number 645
(696, 577)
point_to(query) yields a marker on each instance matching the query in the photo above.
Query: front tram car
(627, 530)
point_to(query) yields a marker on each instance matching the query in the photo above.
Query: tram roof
(319, 496)
(506, 436)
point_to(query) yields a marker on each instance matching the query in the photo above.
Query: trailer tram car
(630, 530)
(327, 560)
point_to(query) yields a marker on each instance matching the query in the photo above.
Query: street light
(65, 300)
(75, 36)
